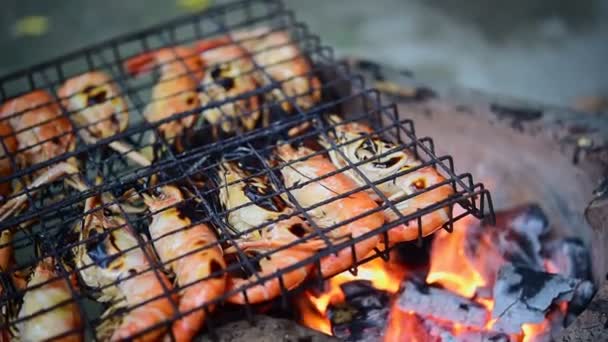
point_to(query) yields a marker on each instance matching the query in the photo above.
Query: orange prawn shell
(181, 69)
(60, 320)
(7, 149)
(353, 138)
(116, 279)
(192, 253)
(285, 63)
(42, 132)
(337, 210)
(246, 216)
(229, 74)
(94, 100)
(282, 61)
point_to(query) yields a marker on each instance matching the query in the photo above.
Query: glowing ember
(450, 267)
(405, 324)
(533, 330)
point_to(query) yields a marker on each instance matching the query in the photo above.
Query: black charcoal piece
(580, 299)
(363, 315)
(525, 296)
(428, 301)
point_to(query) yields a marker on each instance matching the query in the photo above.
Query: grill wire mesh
(46, 226)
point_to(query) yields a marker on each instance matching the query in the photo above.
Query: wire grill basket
(44, 217)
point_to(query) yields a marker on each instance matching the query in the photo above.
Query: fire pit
(90, 195)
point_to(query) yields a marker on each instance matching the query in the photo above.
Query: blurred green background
(546, 50)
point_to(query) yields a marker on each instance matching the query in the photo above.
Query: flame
(531, 330)
(383, 275)
(450, 267)
(403, 323)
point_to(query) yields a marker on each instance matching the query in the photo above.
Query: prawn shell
(8, 146)
(358, 144)
(94, 101)
(63, 319)
(192, 253)
(251, 204)
(339, 209)
(114, 260)
(41, 129)
(283, 61)
(181, 69)
(228, 77)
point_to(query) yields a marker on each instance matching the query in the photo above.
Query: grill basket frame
(57, 208)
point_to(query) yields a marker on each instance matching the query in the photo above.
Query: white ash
(515, 239)
(429, 301)
(525, 296)
(444, 333)
(570, 257)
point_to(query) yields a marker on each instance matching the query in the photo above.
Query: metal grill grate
(46, 225)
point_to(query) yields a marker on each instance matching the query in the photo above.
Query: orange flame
(450, 267)
(402, 324)
(386, 276)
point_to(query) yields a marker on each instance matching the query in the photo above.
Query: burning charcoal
(428, 301)
(526, 220)
(548, 330)
(444, 333)
(518, 232)
(570, 257)
(582, 296)
(405, 326)
(514, 239)
(482, 336)
(363, 315)
(525, 296)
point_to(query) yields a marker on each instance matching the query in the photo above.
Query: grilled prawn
(48, 310)
(282, 63)
(192, 253)
(307, 178)
(6, 261)
(243, 196)
(229, 76)
(113, 260)
(359, 143)
(48, 290)
(94, 101)
(8, 146)
(181, 69)
(42, 132)
(37, 131)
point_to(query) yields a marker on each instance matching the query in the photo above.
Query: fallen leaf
(193, 5)
(33, 26)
